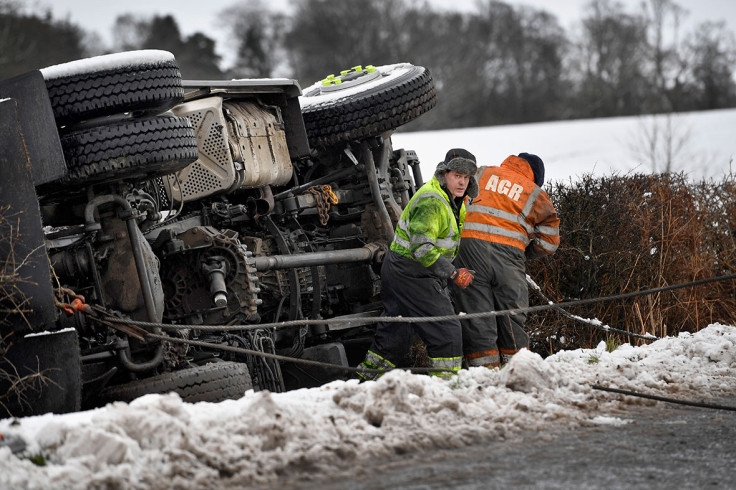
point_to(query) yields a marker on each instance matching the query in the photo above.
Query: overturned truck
(162, 220)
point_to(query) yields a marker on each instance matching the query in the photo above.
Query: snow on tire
(209, 383)
(129, 149)
(146, 81)
(392, 96)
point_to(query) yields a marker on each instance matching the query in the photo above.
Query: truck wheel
(210, 383)
(147, 81)
(129, 149)
(365, 102)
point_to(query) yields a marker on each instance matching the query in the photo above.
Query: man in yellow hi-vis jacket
(510, 221)
(415, 272)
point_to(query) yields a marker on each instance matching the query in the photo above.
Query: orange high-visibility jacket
(511, 209)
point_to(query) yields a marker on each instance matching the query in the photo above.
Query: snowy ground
(158, 441)
(702, 144)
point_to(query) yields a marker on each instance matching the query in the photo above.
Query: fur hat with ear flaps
(461, 161)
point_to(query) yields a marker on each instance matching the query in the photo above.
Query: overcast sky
(198, 15)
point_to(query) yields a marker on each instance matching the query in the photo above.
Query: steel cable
(550, 305)
(663, 398)
(416, 319)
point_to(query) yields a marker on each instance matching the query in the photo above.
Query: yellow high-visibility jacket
(428, 230)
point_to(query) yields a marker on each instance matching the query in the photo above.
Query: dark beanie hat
(459, 160)
(537, 166)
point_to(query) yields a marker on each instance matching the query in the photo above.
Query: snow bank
(158, 441)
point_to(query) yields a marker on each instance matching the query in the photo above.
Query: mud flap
(305, 376)
(30, 153)
(51, 364)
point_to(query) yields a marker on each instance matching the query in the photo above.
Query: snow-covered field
(703, 144)
(158, 441)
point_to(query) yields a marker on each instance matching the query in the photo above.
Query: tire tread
(212, 383)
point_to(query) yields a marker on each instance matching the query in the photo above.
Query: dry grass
(623, 234)
(14, 308)
(13, 304)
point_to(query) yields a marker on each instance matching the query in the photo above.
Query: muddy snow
(158, 441)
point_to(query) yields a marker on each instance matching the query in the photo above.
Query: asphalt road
(664, 446)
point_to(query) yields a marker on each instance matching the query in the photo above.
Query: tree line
(499, 64)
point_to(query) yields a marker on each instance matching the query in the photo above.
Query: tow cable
(587, 321)
(462, 316)
(662, 398)
(110, 320)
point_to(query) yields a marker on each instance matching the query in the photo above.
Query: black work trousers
(410, 289)
(499, 284)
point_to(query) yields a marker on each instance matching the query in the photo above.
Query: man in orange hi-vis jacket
(512, 220)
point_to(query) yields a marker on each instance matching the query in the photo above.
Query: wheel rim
(315, 95)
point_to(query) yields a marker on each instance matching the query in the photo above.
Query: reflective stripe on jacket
(428, 228)
(511, 209)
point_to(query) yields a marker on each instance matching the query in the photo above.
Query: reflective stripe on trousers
(451, 363)
(506, 355)
(373, 361)
(483, 358)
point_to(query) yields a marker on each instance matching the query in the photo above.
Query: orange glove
(462, 277)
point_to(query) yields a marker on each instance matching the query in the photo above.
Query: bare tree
(128, 32)
(328, 36)
(613, 61)
(663, 143)
(712, 54)
(259, 35)
(194, 54)
(29, 41)
(664, 46)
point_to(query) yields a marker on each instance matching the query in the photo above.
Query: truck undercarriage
(189, 206)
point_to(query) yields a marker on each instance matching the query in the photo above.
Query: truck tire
(135, 148)
(146, 81)
(402, 93)
(209, 383)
